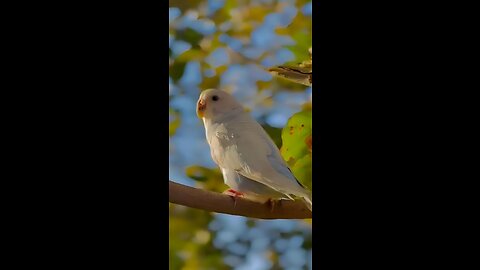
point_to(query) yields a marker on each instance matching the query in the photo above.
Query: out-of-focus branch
(301, 73)
(221, 203)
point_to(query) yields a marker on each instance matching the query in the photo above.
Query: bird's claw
(234, 195)
(271, 203)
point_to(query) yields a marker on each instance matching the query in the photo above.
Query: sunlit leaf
(297, 146)
(210, 179)
(199, 173)
(192, 55)
(302, 169)
(208, 83)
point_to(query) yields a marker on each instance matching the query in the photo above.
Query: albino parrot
(250, 161)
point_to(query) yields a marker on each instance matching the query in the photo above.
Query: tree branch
(221, 203)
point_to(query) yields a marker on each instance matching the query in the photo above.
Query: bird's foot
(232, 192)
(234, 195)
(271, 203)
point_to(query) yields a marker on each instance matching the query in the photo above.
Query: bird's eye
(215, 98)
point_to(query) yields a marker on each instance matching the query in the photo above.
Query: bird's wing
(245, 147)
(250, 187)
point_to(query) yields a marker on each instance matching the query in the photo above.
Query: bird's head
(213, 103)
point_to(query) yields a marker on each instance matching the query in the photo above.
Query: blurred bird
(250, 161)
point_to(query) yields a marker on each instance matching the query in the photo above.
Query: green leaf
(274, 133)
(198, 173)
(302, 169)
(297, 146)
(191, 36)
(176, 70)
(192, 55)
(209, 179)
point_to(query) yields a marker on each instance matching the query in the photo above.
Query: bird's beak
(201, 106)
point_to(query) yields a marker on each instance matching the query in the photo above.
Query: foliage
(211, 179)
(297, 146)
(301, 73)
(190, 240)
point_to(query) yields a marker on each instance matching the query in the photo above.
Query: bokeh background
(230, 44)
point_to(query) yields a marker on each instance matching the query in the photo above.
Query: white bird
(250, 161)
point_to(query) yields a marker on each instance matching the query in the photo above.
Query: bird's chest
(223, 146)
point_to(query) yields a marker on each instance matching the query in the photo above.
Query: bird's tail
(307, 198)
(305, 194)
